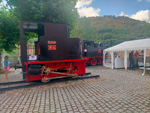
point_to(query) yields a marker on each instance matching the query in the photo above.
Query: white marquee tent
(142, 44)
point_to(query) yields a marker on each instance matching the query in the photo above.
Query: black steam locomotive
(93, 52)
(56, 55)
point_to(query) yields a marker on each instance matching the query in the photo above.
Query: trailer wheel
(93, 61)
(45, 80)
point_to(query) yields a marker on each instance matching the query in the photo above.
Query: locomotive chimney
(101, 44)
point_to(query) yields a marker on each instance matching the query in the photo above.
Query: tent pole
(104, 58)
(125, 60)
(144, 70)
(112, 60)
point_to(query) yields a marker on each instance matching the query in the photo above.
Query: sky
(135, 9)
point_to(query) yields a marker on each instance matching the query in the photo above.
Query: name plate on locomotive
(51, 47)
(51, 42)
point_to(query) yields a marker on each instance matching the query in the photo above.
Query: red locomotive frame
(55, 65)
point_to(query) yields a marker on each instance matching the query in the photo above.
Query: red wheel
(93, 61)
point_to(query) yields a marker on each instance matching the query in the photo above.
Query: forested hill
(117, 29)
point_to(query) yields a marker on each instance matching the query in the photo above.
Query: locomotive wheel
(93, 61)
(45, 80)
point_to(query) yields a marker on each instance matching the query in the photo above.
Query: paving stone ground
(116, 91)
(14, 75)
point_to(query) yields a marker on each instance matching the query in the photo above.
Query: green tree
(9, 32)
(59, 11)
(83, 29)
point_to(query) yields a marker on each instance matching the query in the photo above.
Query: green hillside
(117, 29)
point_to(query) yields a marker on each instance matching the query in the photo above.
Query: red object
(90, 59)
(51, 42)
(93, 61)
(51, 47)
(70, 65)
(99, 51)
(136, 54)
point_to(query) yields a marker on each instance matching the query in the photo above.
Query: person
(6, 67)
(136, 55)
(131, 60)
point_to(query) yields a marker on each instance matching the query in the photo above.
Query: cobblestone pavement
(14, 75)
(116, 91)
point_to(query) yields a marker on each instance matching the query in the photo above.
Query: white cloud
(139, 0)
(83, 10)
(122, 14)
(88, 12)
(82, 3)
(142, 15)
(148, 0)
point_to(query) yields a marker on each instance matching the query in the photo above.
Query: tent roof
(131, 45)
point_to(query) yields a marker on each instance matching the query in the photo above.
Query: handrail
(19, 49)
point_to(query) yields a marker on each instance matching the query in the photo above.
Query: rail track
(23, 84)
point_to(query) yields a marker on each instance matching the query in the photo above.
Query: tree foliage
(83, 29)
(57, 11)
(9, 32)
